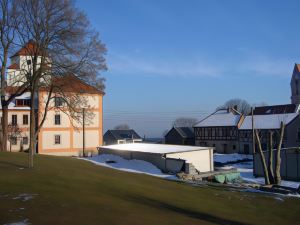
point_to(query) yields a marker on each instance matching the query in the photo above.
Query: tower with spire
(295, 85)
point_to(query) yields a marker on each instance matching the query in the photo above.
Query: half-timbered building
(219, 130)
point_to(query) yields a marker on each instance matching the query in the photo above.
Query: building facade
(180, 136)
(219, 130)
(61, 133)
(112, 137)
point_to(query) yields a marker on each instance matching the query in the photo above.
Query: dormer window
(58, 101)
(28, 62)
(22, 102)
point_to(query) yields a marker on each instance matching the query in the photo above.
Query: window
(29, 62)
(57, 119)
(58, 101)
(14, 120)
(22, 102)
(298, 134)
(57, 139)
(25, 140)
(13, 140)
(233, 147)
(25, 119)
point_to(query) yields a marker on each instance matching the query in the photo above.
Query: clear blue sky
(176, 58)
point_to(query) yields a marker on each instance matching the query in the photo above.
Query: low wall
(166, 165)
(290, 163)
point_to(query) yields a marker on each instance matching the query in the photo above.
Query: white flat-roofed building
(168, 158)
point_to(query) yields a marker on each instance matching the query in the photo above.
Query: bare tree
(13, 133)
(184, 122)
(122, 127)
(60, 42)
(242, 105)
(270, 164)
(270, 177)
(9, 24)
(278, 154)
(263, 159)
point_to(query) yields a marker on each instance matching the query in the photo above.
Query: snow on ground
(24, 222)
(226, 158)
(25, 197)
(139, 166)
(134, 165)
(246, 171)
(246, 168)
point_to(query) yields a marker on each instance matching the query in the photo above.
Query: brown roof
(71, 83)
(14, 66)
(298, 66)
(28, 49)
(12, 89)
(275, 109)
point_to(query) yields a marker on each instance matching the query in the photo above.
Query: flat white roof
(154, 148)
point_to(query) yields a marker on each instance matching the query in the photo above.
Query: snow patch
(24, 197)
(24, 222)
(133, 166)
(246, 169)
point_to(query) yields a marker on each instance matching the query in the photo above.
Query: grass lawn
(72, 191)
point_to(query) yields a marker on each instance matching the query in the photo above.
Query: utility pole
(253, 140)
(253, 137)
(83, 131)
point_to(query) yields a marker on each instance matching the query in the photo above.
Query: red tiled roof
(14, 66)
(12, 89)
(29, 48)
(71, 83)
(298, 66)
(275, 109)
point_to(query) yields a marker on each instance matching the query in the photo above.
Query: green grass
(72, 191)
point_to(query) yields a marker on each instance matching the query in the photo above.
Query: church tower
(295, 85)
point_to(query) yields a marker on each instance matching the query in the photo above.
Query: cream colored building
(60, 134)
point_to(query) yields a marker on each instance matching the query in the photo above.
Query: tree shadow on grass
(183, 211)
(6, 163)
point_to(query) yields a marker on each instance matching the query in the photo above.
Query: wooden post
(271, 173)
(278, 156)
(263, 159)
(83, 132)
(253, 135)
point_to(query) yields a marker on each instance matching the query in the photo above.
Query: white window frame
(55, 119)
(57, 135)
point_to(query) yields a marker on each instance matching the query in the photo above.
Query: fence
(290, 163)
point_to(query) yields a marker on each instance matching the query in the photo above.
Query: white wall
(202, 159)
(64, 119)
(91, 138)
(48, 139)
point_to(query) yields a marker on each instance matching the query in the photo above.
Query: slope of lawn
(71, 191)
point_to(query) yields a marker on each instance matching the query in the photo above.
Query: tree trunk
(271, 172)
(4, 103)
(263, 160)
(4, 127)
(32, 129)
(278, 155)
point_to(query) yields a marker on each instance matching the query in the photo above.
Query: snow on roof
(25, 95)
(219, 119)
(271, 121)
(154, 148)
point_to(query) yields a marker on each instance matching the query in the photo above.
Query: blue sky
(175, 58)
